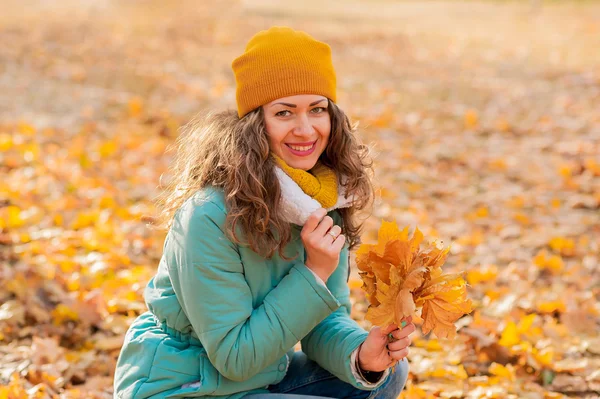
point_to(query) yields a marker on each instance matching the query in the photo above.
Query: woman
(261, 218)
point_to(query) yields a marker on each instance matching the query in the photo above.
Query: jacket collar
(296, 205)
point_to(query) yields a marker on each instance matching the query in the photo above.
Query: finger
(334, 232)
(400, 344)
(313, 220)
(324, 226)
(405, 332)
(338, 244)
(397, 355)
(389, 329)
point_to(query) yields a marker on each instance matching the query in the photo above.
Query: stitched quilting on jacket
(223, 321)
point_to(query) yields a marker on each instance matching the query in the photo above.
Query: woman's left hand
(377, 353)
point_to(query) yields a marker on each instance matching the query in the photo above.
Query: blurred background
(483, 117)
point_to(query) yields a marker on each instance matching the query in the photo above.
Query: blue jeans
(305, 379)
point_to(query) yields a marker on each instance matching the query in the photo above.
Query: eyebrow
(294, 105)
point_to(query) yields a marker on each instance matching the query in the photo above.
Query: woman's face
(298, 128)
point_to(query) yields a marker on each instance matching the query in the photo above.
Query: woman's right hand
(322, 249)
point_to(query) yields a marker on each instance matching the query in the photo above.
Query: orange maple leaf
(399, 278)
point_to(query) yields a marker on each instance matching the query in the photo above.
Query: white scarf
(296, 205)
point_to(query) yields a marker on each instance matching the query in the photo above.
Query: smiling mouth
(302, 148)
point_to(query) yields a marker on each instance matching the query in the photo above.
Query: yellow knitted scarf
(320, 184)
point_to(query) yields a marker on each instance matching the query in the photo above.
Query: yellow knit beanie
(281, 62)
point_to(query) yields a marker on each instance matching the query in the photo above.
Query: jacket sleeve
(333, 341)
(208, 279)
(354, 361)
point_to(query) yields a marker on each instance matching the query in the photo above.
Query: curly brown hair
(226, 151)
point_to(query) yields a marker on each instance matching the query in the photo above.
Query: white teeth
(300, 148)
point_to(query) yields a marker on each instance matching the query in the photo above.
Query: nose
(303, 126)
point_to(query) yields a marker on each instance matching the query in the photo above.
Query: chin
(304, 164)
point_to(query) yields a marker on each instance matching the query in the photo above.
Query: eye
(320, 110)
(280, 113)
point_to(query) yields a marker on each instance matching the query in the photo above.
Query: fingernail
(403, 324)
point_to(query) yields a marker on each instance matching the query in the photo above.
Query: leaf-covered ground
(485, 124)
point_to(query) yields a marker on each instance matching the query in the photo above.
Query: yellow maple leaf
(510, 335)
(135, 106)
(499, 370)
(564, 246)
(471, 119)
(399, 277)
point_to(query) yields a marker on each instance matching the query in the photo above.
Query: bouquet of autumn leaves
(400, 277)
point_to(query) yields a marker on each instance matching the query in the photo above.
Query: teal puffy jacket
(223, 321)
